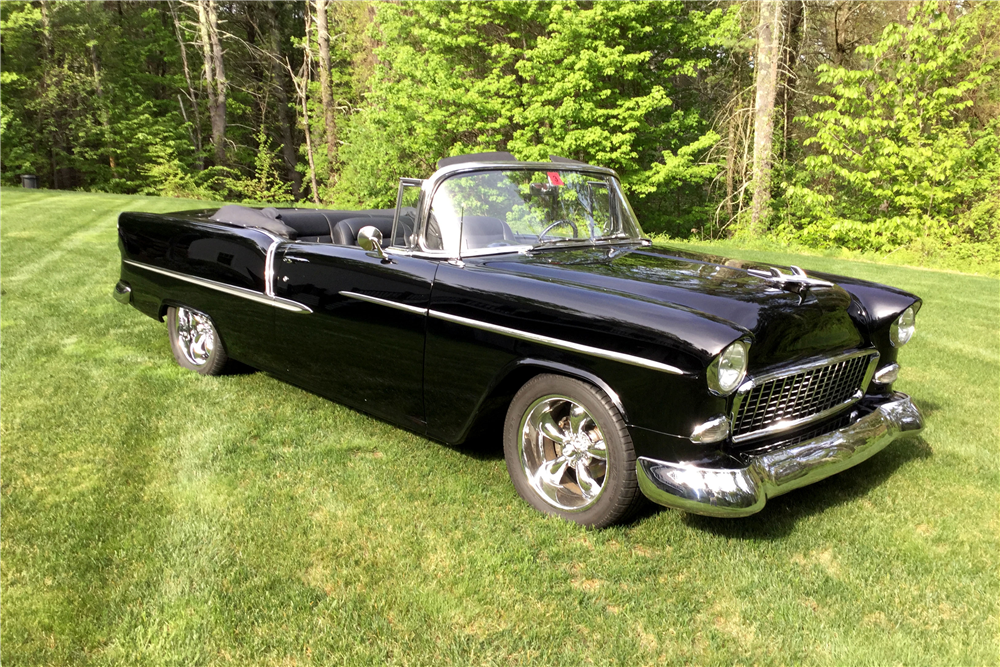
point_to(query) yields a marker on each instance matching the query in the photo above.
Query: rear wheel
(195, 341)
(569, 452)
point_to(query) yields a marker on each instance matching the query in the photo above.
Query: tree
(279, 74)
(192, 92)
(591, 81)
(766, 68)
(898, 158)
(302, 92)
(215, 75)
(326, 87)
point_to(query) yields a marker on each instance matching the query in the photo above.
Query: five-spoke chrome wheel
(569, 452)
(196, 335)
(563, 452)
(195, 340)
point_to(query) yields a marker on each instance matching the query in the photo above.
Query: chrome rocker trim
(276, 301)
(738, 492)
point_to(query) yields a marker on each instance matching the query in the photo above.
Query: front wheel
(195, 341)
(569, 453)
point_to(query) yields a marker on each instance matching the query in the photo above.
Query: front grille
(798, 396)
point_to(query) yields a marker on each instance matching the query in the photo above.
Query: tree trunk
(46, 29)
(215, 76)
(730, 164)
(766, 65)
(192, 93)
(302, 90)
(288, 148)
(221, 84)
(330, 121)
(789, 78)
(44, 84)
(105, 122)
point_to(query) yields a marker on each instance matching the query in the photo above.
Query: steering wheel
(576, 232)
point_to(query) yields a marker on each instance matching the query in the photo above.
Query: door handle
(288, 259)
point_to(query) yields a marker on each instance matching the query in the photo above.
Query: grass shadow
(481, 448)
(237, 368)
(780, 515)
(927, 408)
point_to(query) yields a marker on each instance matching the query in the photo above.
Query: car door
(363, 342)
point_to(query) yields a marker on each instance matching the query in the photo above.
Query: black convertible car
(522, 297)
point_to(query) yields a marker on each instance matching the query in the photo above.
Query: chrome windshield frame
(431, 185)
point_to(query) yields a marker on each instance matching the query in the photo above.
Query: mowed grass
(153, 516)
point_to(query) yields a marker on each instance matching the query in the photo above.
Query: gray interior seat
(479, 231)
(305, 224)
(346, 231)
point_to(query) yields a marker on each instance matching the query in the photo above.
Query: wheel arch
(492, 408)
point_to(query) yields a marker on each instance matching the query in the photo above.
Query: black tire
(195, 341)
(534, 409)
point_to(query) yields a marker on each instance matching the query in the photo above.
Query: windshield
(522, 208)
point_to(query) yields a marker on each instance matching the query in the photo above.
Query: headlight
(727, 370)
(904, 326)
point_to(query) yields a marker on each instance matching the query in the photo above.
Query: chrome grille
(800, 396)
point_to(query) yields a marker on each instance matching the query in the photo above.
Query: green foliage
(266, 185)
(167, 176)
(589, 81)
(895, 149)
(80, 106)
(899, 160)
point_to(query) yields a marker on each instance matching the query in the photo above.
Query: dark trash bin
(29, 181)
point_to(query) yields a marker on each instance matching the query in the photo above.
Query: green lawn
(153, 516)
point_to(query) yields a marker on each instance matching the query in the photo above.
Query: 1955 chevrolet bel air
(522, 298)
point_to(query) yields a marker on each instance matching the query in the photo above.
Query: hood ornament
(797, 281)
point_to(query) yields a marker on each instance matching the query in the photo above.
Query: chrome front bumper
(741, 491)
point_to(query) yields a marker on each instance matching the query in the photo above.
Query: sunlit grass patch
(153, 516)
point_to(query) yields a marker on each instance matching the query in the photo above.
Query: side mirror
(370, 238)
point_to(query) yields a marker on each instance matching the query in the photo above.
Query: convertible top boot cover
(242, 216)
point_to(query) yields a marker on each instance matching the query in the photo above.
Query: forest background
(871, 127)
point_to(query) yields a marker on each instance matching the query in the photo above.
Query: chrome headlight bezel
(903, 327)
(729, 368)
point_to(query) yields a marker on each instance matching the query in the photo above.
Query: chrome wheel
(195, 335)
(563, 453)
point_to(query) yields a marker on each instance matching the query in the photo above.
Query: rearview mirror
(370, 238)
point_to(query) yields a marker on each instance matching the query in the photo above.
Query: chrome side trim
(242, 292)
(384, 302)
(558, 343)
(741, 491)
(269, 269)
(522, 335)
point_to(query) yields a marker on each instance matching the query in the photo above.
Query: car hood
(785, 324)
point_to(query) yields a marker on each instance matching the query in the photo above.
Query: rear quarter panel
(201, 249)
